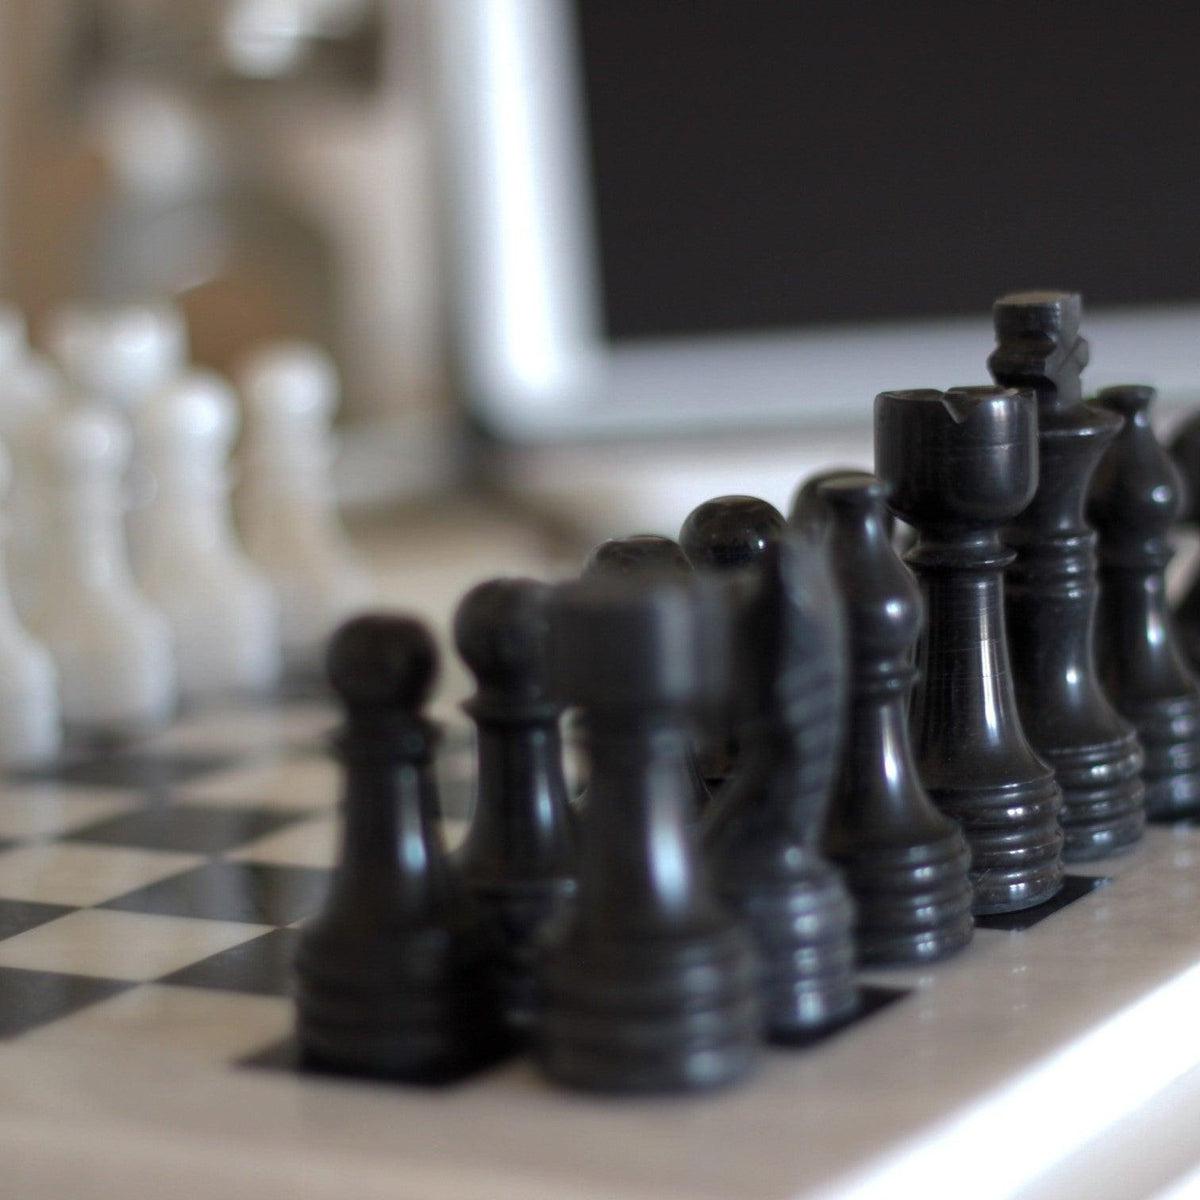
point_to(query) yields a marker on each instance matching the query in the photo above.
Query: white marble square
(45, 810)
(79, 874)
(304, 844)
(305, 781)
(315, 843)
(235, 729)
(202, 1024)
(121, 945)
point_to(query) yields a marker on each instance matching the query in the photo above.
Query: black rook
(649, 985)
(959, 464)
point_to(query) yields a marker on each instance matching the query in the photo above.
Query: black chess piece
(730, 532)
(635, 555)
(1137, 494)
(727, 534)
(649, 985)
(642, 555)
(1185, 449)
(396, 976)
(519, 853)
(807, 508)
(763, 834)
(1050, 587)
(958, 465)
(907, 863)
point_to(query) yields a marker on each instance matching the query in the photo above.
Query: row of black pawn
(647, 936)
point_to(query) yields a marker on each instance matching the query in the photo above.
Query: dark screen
(766, 164)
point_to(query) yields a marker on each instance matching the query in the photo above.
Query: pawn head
(119, 353)
(382, 660)
(635, 555)
(730, 532)
(289, 381)
(808, 504)
(501, 630)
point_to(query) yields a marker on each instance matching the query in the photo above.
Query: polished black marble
(138, 770)
(232, 891)
(16, 916)
(32, 998)
(188, 828)
(262, 966)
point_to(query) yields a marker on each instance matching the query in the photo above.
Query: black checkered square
(262, 966)
(29, 999)
(189, 828)
(260, 893)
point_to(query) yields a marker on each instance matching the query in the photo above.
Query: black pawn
(730, 532)
(763, 833)
(1136, 495)
(1185, 449)
(1050, 587)
(519, 854)
(395, 977)
(807, 508)
(636, 555)
(957, 466)
(907, 863)
(649, 985)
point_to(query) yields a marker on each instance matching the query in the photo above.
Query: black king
(1051, 584)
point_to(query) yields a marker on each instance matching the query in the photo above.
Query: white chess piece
(30, 721)
(112, 648)
(286, 505)
(223, 613)
(30, 386)
(119, 354)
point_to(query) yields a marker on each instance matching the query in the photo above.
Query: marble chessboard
(150, 897)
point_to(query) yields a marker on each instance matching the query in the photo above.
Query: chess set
(756, 949)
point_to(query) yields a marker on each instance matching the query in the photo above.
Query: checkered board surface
(162, 881)
(171, 876)
(151, 897)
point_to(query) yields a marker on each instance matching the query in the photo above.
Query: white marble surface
(1050, 1064)
(1004, 1064)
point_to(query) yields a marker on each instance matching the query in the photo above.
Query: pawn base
(914, 902)
(653, 1015)
(803, 928)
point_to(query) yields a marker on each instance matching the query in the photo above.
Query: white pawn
(111, 647)
(30, 386)
(119, 354)
(222, 612)
(286, 505)
(30, 721)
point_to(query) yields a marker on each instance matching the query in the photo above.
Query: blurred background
(596, 258)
